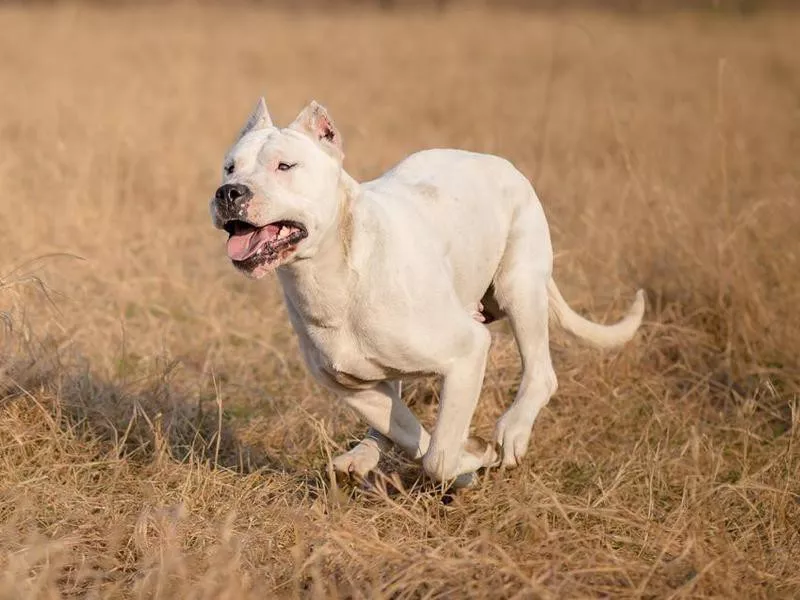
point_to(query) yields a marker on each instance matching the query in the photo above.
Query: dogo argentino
(392, 278)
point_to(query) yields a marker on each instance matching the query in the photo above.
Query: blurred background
(740, 6)
(160, 435)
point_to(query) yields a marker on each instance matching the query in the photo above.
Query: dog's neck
(318, 287)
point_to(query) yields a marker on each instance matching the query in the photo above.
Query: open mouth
(250, 246)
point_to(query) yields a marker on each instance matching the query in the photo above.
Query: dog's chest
(338, 353)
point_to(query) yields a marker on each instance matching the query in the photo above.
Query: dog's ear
(315, 121)
(258, 119)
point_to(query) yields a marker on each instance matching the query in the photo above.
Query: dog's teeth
(284, 232)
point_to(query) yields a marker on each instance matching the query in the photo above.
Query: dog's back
(462, 204)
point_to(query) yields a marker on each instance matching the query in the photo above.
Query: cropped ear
(258, 119)
(315, 122)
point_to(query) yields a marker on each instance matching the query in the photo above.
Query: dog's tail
(600, 336)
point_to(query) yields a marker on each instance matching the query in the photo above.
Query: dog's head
(279, 192)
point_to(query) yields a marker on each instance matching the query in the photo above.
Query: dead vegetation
(159, 434)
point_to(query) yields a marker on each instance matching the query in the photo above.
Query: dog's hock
(258, 119)
(315, 121)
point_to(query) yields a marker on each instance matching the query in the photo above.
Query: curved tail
(601, 336)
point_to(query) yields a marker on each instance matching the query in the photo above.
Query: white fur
(389, 280)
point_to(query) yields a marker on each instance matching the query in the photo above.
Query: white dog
(392, 278)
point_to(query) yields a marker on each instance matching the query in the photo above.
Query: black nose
(232, 194)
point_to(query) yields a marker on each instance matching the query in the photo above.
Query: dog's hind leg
(521, 292)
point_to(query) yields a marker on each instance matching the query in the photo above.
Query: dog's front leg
(390, 420)
(450, 454)
(364, 457)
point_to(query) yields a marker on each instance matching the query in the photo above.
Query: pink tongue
(244, 245)
(239, 245)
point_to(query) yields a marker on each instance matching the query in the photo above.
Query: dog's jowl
(396, 277)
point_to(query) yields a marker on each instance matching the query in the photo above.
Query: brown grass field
(159, 435)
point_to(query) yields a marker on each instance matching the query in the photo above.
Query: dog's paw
(475, 454)
(359, 461)
(512, 435)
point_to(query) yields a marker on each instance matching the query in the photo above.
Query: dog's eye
(229, 169)
(283, 166)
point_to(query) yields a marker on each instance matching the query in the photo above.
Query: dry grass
(159, 436)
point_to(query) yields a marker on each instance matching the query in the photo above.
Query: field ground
(159, 434)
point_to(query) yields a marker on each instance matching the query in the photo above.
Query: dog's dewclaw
(479, 447)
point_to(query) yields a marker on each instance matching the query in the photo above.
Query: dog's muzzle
(231, 201)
